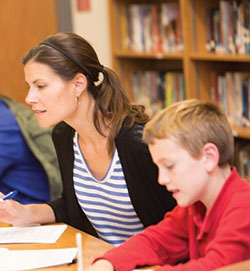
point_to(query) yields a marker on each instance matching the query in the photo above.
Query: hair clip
(100, 79)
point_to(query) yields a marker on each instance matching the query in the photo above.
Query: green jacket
(40, 143)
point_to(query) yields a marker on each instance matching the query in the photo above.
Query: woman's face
(51, 98)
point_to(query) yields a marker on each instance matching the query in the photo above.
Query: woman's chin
(46, 124)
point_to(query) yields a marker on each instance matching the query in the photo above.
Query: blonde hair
(193, 123)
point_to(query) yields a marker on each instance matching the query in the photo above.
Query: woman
(110, 185)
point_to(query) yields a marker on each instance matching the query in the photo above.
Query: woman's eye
(169, 166)
(41, 86)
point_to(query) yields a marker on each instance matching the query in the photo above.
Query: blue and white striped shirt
(106, 202)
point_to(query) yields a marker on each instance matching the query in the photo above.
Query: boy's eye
(169, 166)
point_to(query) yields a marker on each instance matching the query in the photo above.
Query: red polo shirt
(220, 237)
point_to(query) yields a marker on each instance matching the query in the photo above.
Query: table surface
(241, 266)
(92, 247)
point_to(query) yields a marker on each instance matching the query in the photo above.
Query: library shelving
(201, 39)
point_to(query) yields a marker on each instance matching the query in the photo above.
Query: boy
(191, 142)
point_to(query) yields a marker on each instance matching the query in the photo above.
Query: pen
(79, 252)
(11, 195)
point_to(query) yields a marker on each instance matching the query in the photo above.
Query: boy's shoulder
(241, 195)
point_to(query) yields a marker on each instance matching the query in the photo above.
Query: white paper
(38, 234)
(17, 260)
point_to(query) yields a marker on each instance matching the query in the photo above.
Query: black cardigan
(150, 200)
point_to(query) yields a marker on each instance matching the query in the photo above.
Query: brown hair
(75, 55)
(193, 123)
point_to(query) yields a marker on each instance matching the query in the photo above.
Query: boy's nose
(163, 179)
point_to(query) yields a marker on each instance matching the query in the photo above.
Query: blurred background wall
(93, 25)
(24, 23)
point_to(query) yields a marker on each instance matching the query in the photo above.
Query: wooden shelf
(196, 64)
(220, 57)
(243, 132)
(129, 54)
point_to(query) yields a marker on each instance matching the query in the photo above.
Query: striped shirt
(105, 202)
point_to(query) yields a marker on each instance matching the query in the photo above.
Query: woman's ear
(80, 84)
(211, 156)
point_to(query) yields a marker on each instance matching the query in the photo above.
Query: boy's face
(182, 174)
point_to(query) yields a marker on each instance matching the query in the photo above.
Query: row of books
(156, 90)
(228, 27)
(232, 91)
(151, 28)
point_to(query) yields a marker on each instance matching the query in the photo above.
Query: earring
(77, 101)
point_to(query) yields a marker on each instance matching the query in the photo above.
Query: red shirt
(220, 237)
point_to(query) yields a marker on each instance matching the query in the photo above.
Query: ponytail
(113, 103)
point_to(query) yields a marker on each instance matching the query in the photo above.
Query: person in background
(192, 144)
(109, 178)
(28, 161)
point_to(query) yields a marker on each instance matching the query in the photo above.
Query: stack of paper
(38, 234)
(31, 259)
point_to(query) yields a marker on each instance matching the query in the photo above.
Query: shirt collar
(198, 210)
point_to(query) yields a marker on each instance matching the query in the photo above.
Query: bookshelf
(194, 60)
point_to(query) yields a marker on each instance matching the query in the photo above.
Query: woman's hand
(101, 265)
(12, 212)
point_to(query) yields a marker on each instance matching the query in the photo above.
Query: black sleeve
(59, 205)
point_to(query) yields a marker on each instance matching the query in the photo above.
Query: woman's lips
(39, 112)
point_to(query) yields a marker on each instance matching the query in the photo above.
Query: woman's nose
(31, 98)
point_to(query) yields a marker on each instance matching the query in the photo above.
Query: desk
(241, 266)
(92, 247)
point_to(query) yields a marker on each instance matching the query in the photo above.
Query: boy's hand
(101, 265)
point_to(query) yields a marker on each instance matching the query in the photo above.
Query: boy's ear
(211, 156)
(80, 84)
